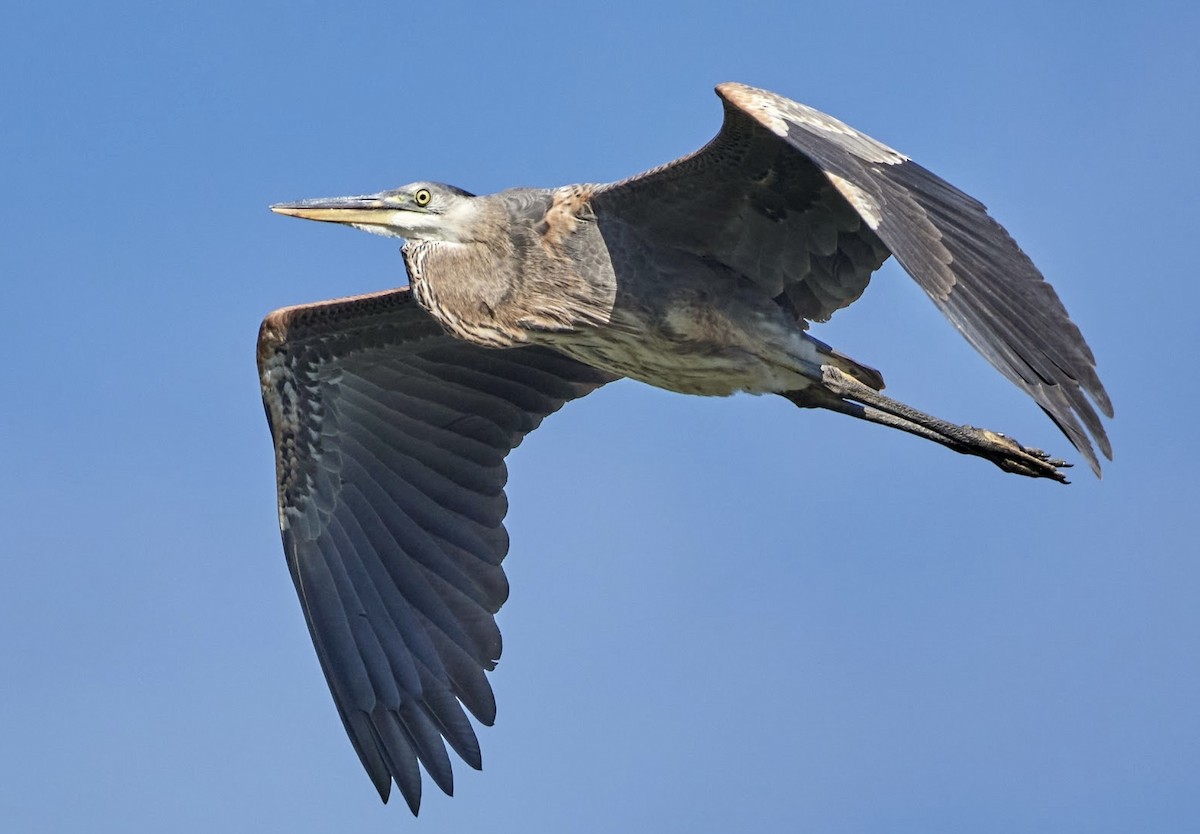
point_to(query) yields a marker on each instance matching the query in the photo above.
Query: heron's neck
(519, 278)
(465, 286)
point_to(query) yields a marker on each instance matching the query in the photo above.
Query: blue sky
(726, 615)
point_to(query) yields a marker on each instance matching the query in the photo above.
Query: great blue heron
(392, 419)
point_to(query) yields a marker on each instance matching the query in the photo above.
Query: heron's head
(418, 211)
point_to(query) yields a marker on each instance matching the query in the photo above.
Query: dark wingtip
(413, 799)
(384, 787)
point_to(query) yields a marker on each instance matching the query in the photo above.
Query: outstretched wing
(390, 439)
(807, 208)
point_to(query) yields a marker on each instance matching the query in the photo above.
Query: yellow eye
(422, 197)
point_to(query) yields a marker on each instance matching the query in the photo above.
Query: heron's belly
(695, 366)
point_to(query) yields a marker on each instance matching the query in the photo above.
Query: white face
(432, 211)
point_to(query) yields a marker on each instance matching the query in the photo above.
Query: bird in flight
(392, 413)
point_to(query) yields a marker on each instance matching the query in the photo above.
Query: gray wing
(807, 208)
(390, 439)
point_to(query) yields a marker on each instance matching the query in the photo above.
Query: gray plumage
(392, 413)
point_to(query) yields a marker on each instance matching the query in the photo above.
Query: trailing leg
(838, 391)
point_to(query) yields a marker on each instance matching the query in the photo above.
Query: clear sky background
(726, 615)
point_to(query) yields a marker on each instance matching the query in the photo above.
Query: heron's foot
(840, 392)
(1011, 456)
